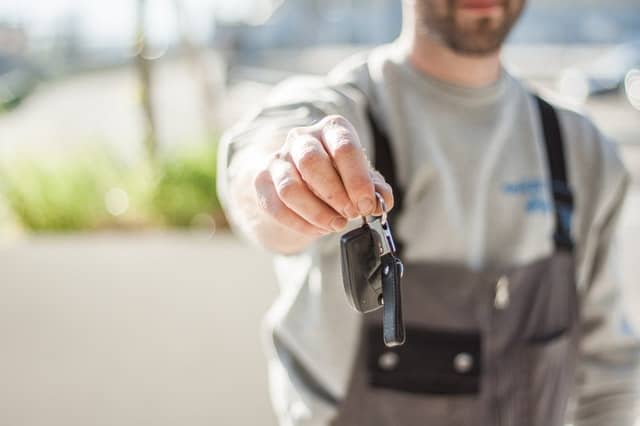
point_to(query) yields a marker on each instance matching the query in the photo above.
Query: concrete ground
(133, 330)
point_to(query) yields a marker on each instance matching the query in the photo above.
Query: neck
(434, 59)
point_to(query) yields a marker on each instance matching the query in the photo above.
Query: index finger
(343, 145)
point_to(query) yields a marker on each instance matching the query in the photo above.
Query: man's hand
(320, 178)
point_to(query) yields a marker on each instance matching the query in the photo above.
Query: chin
(481, 37)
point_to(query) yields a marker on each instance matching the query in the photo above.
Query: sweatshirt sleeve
(609, 364)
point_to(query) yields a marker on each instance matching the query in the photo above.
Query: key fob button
(388, 361)
(463, 362)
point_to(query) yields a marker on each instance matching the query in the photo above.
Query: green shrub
(186, 186)
(63, 195)
(92, 190)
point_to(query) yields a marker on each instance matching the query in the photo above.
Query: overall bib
(495, 347)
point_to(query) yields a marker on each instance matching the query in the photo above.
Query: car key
(372, 273)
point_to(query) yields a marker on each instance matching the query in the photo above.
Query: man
(505, 209)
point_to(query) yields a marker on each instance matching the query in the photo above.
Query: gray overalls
(495, 348)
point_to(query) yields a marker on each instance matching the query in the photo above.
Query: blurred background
(124, 299)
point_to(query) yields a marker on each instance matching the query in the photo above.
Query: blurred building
(13, 39)
(17, 76)
(303, 23)
(579, 22)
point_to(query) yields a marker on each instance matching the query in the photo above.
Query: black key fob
(360, 262)
(371, 274)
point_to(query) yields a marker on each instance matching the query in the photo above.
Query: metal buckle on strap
(564, 203)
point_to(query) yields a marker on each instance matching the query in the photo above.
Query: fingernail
(365, 206)
(350, 211)
(338, 223)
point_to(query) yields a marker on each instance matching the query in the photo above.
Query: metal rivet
(501, 300)
(463, 362)
(388, 361)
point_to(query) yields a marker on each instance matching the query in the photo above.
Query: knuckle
(268, 204)
(308, 230)
(280, 154)
(321, 218)
(342, 136)
(335, 120)
(277, 211)
(295, 133)
(361, 185)
(334, 194)
(378, 178)
(345, 149)
(261, 179)
(288, 188)
(339, 129)
(300, 228)
(310, 158)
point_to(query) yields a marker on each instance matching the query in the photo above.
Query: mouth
(480, 5)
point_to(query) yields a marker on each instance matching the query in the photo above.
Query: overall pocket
(433, 362)
(434, 378)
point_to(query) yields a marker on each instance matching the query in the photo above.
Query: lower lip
(480, 6)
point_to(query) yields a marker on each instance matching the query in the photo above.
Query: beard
(469, 35)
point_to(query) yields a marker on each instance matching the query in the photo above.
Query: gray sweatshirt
(473, 165)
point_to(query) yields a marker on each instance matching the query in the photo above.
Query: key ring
(383, 205)
(381, 225)
(383, 218)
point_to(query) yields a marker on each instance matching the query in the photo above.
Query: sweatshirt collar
(456, 93)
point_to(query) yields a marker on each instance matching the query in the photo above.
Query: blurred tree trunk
(143, 67)
(198, 64)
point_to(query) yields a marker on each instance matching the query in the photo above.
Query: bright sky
(112, 22)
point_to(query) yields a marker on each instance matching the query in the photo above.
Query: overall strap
(384, 163)
(563, 201)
